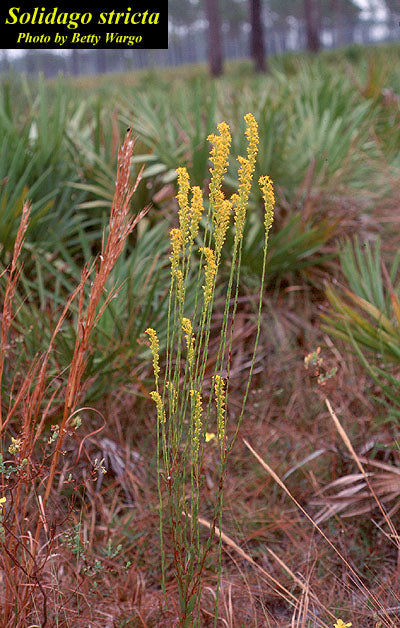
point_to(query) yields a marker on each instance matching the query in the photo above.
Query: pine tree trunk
(311, 20)
(257, 47)
(101, 61)
(214, 37)
(6, 62)
(75, 61)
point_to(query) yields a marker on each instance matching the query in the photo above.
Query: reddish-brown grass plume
(27, 528)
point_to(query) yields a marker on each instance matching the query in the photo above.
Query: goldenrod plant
(192, 410)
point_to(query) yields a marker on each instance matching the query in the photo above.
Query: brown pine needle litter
(380, 608)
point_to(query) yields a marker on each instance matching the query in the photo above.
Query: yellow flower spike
(245, 175)
(176, 243)
(183, 202)
(159, 405)
(197, 414)
(210, 271)
(219, 392)
(187, 329)
(180, 292)
(219, 156)
(267, 189)
(340, 624)
(252, 138)
(173, 396)
(240, 200)
(221, 219)
(197, 210)
(154, 346)
(209, 436)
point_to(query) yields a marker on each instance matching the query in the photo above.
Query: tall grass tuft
(29, 463)
(192, 408)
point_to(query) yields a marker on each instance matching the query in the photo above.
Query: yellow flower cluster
(221, 219)
(15, 447)
(219, 156)
(196, 212)
(252, 137)
(172, 396)
(179, 286)
(219, 392)
(196, 414)
(187, 329)
(210, 271)
(340, 624)
(176, 244)
(267, 190)
(245, 175)
(154, 346)
(159, 405)
(183, 201)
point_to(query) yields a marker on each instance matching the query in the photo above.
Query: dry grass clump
(29, 461)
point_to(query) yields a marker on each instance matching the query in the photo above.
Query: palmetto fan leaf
(367, 316)
(351, 496)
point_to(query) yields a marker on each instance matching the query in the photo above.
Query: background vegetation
(201, 30)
